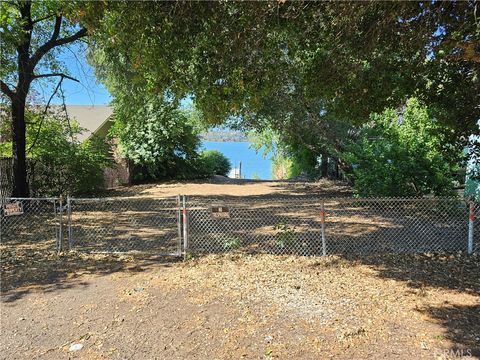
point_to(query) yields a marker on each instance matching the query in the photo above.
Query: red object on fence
(472, 212)
(322, 216)
(184, 215)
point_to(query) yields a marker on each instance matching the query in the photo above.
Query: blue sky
(88, 91)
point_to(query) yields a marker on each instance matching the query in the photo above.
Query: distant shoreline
(227, 136)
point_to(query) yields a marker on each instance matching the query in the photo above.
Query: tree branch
(79, 34)
(42, 18)
(54, 42)
(56, 28)
(44, 115)
(63, 76)
(6, 90)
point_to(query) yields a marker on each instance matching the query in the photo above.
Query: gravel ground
(238, 306)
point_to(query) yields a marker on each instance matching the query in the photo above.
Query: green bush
(213, 162)
(158, 138)
(231, 243)
(58, 163)
(402, 155)
(66, 166)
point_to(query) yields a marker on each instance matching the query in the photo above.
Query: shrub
(57, 162)
(231, 243)
(401, 155)
(61, 165)
(213, 162)
(286, 235)
(158, 138)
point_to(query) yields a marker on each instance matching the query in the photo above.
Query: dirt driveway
(225, 187)
(237, 306)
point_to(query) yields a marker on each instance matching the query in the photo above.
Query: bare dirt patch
(237, 188)
(238, 306)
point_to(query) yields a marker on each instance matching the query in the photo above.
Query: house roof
(95, 119)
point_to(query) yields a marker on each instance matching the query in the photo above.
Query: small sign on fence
(15, 208)
(220, 212)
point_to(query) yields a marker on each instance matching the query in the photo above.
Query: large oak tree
(32, 36)
(315, 60)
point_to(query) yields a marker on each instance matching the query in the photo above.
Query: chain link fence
(280, 226)
(124, 225)
(31, 223)
(474, 227)
(334, 226)
(370, 226)
(297, 225)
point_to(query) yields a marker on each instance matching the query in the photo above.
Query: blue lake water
(253, 164)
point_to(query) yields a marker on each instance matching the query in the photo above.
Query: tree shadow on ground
(24, 271)
(462, 327)
(459, 272)
(324, 188)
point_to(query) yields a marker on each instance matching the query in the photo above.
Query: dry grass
(239, 306)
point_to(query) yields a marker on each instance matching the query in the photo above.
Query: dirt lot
(221, 186)
(237, 305)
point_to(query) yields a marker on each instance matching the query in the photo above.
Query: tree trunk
(337, 171)
(26, 66)
(19, 159)
(324, 165)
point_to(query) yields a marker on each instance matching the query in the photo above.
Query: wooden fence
(6, 184)
(118, 174)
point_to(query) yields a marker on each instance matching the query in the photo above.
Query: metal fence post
(69, 220)
(60, 235)
(471, 219)
(179, 224)
(185, 226)
(322, 219)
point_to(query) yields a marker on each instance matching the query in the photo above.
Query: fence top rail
(249, 198)
(319, 198)
(119, 198)
(31, 198)
(399, 199)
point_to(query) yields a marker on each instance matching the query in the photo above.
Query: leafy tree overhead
(312, 71)
(332, 63)
(356, 58)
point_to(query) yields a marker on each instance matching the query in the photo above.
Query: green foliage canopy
(157, 137)
(400, 154)
(344, 57)
(310, 71)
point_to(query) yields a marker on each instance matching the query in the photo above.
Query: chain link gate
(297, 225)
(125, 225)
(283, 226)
(34, 223)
